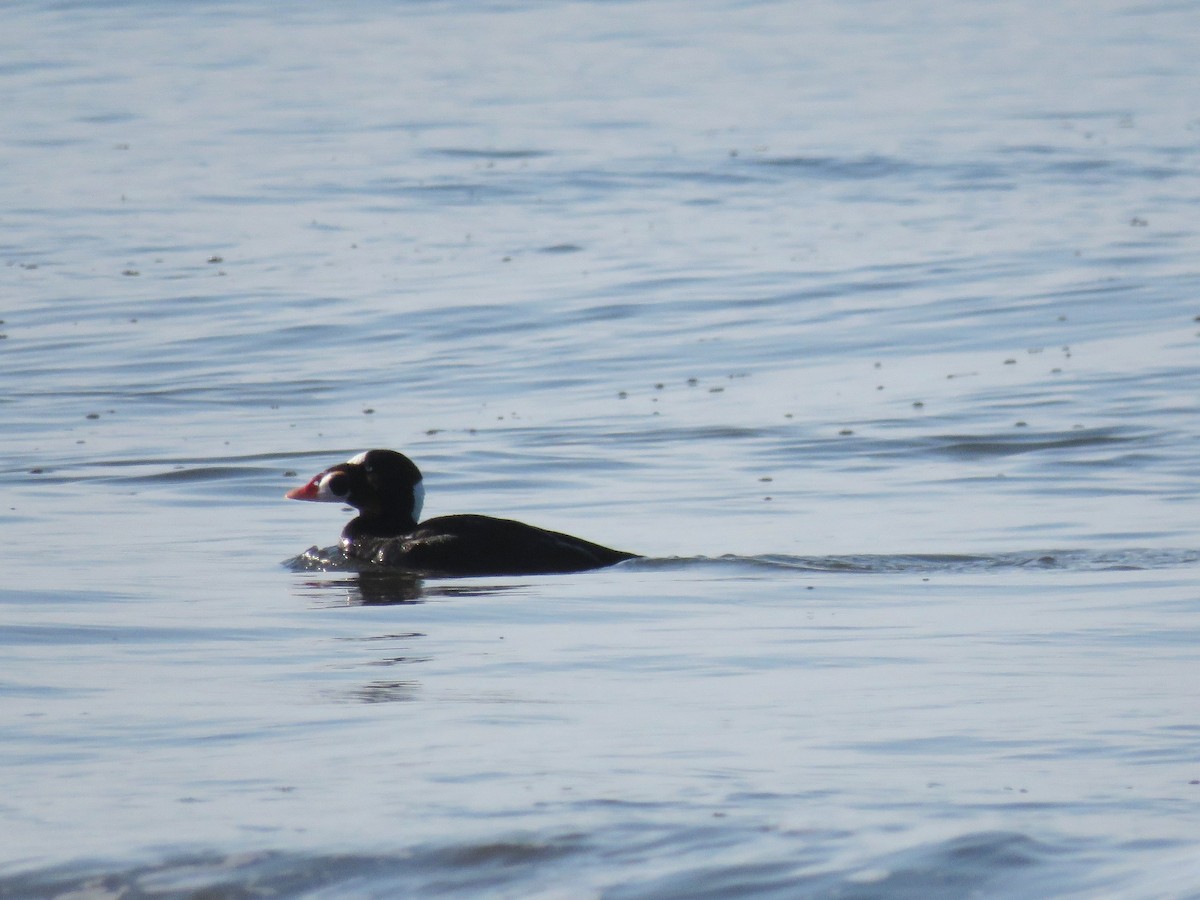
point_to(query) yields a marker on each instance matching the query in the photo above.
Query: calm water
(874, 326)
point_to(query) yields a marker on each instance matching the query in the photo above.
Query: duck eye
(338, 484)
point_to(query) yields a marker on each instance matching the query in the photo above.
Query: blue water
(875, 327)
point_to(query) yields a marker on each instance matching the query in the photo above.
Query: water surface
(873, 327)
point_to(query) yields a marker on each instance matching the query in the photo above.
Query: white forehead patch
(358, 459)
(418, 500)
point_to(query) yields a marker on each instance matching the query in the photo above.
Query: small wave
(924, 563)
(1003, 863)
(842, 168)
(485, 153)
(198, 473)
(453, 869)
(999, 445)
(332, 559)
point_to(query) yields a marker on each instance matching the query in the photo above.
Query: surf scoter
(385, 487)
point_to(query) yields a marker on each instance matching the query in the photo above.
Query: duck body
(479, 545)
(387, 489)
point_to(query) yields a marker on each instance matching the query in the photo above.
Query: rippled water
(874, 327)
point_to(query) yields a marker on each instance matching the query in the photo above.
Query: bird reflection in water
(391, 588)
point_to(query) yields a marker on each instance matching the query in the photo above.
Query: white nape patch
(418, 500)
(358, 459)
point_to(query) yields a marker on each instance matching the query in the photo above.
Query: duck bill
(305, 492)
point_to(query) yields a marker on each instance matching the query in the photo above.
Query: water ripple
(332, 559)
